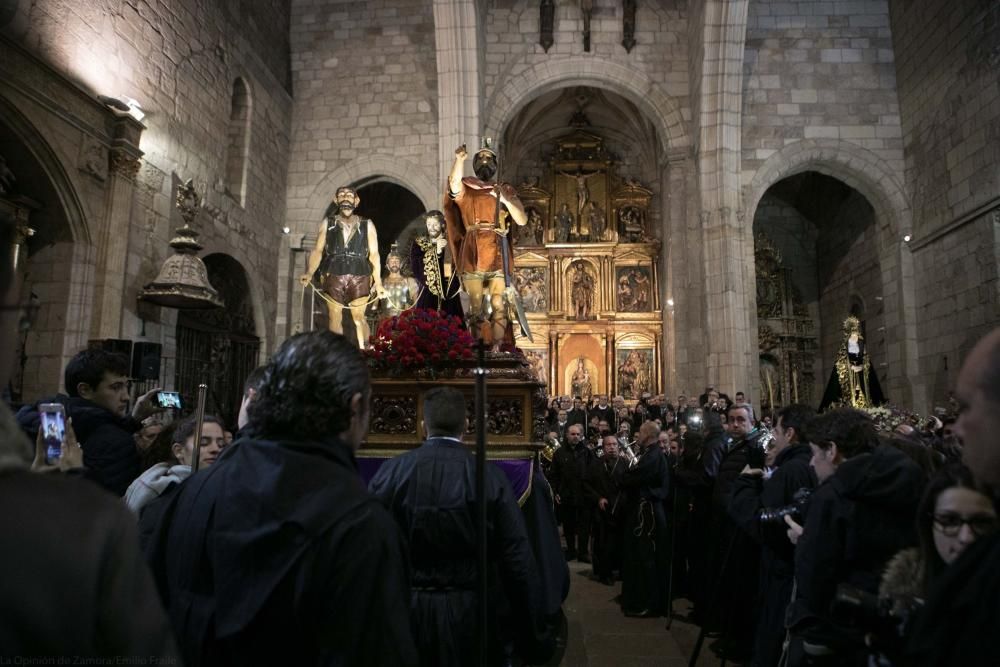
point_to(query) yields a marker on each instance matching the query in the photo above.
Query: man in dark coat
(958, 624)
(97, 384)
(602, 493)
(736, 558)
(752, 498)
(645, 546)
(432, 495)
(861, 515)
(569, 466)
(276, 554)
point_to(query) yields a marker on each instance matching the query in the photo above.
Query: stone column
(728, 286)
(112, 238)
(459, 69)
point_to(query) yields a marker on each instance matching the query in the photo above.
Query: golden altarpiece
(586, 271)
(786, 332)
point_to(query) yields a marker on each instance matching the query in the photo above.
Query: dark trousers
(607, 544)
(576, 530)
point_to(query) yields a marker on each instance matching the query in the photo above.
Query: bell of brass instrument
(549, 451)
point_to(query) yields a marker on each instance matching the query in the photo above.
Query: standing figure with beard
(474, 231)
(436, 291)
(645, 546)
(348, 264)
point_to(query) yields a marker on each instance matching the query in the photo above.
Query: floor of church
(601, 636)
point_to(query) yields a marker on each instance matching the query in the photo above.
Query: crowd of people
(798, 538)
(814, 540)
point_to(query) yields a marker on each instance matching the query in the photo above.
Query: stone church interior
(718, 195)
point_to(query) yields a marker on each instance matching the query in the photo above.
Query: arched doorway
(218, 347)
(817, 261)
(35, 190)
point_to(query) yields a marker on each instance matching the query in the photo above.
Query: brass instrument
(625, 446)
(549, 451)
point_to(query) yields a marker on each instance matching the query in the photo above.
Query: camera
(796, 509)
(882, 620)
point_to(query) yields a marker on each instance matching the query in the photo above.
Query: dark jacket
(735, 457)
(607, 413)
(276, 554)
(109, 451)
(577, 416)
(750, 496)
(958, 624)
(602, 481)
(857, 520)
(431, 492)
(569, 466)
(74, 581)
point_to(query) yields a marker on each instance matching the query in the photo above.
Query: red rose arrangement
(419, 338)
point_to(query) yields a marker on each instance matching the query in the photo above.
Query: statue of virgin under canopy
(853, 381)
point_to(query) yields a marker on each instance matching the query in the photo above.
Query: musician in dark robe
(427, 260)
(603, 495)
(276, 555)
(645, 550)
(431, 493)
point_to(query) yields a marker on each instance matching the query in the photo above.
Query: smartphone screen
(169, 399)
(53, 425)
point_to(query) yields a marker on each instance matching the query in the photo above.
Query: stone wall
(947, 56)
(957, 289)
(179, 60)
(816, 69)
(365, 81)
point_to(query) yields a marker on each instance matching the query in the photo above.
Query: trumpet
(549, 451)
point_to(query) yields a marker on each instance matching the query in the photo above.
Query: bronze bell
(183, 279)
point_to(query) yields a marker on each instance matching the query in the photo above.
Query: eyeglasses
(951, 524)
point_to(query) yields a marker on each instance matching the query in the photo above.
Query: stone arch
(873, 178)
(33, 140)
(261, 314)
(512, 94)
(371, 168)
(858, 167)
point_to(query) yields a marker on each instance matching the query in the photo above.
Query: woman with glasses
(952, 515)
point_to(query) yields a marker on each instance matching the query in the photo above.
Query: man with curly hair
(276, 554)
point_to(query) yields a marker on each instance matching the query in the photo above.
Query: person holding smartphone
(97, 385)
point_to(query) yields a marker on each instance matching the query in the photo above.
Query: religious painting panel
(581, 286)
(634, 289)
(581, 377)
(538, 359)
(635, 372)
(532, 284)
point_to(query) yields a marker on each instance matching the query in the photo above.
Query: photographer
(734, 568)
(755, 504)
(860, 515)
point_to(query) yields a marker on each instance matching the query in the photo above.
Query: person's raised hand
(794, 531)
(461, 152)
(72, 453)
(752, 472)
(146, 405)
(602, 504)
(305, 278)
